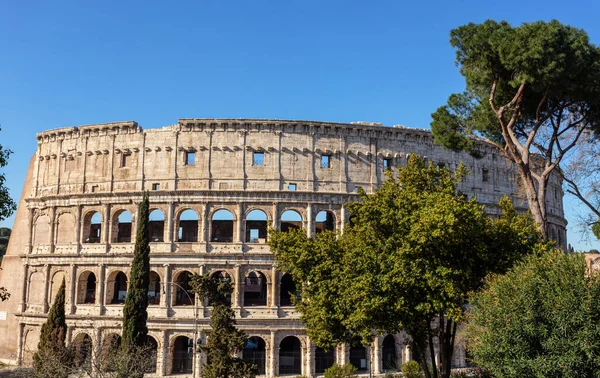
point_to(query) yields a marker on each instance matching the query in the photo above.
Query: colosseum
(215, 186)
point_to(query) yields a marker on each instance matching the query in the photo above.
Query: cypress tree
(53, 358)
(135, 312)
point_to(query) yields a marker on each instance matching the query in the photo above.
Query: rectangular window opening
(258, 159)
(484, 174)
(387, 164)
(125, 160)
(155, 186)
(190, 158)
(291, 186)
(325, 161)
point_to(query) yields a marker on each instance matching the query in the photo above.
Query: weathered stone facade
(215, 185)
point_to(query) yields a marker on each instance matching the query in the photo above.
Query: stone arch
(187, 226)
(92, 227)
(359, 357)
(122, 222)
(86, 288)
(290, 356)
(181, 360)
(324, 359)
(154, 288)
(152, 356)
(83, 346)
(257, 224)
(55, 282)
(290, 219)
(116, 287)
(156, 226)
(37, 287)
(222, 226)
(223, 275)
(325, 221)
(255, 289)
(183, 295)
(254, 352)
(30, 343)
(66, 229)
(41, 230)
(111, 342)
(389, 354)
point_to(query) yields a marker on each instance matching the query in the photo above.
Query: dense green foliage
(541, 319)
(412, 252)
(412, 369)
(135, 313)
(339, 371)
(596, 229)
(7, 207)
(224, 340)
(531, 91)
(52, 342)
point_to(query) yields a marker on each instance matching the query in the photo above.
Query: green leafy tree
(532, 91)
(135, 312)
(412, 252)
(53, 359)
(224, 340)
(7, 205)
(339, 371)
(541, 319)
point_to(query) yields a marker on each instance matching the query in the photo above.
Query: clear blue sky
(66, 63)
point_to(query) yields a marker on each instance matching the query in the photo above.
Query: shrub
(412, 369)
(339, 371)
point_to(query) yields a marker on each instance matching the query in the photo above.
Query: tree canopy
(531, 92)
(412, 252)
(541, 319)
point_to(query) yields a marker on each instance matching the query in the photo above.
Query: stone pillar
(376, 355)
(310, 358)
(106, 225)
(309, 220)
(274, 289)
(343, 217)
(237, 301)
(100, 289)
(275, 217)
(204, 229)
(20, 346)
(30, 235)
(201, 305)
(78, 227)
(23, 304)
(163, 355)
(72, 294)
(271, 369)
(240, 223)
(53, 226)
(170, 224)
(167, 286)
(46, 287)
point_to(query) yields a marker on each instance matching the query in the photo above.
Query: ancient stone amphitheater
(215, 185)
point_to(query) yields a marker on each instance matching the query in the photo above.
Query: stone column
(100, 289)
(170, 224)
(201, 305)
(309, 220)
(23, 304)
(343, 217)
(275, 217)
(271, 368)
(53, 226)
(166, 298)
(240, 223)
(72, 294)
(46, 287)
(78, 227)
(310, 358)
(30, 235)
(376, 356)
(20, 344)
(163, 357)
(204, 225)
(274, 289)
(237, 287)
(106, 225)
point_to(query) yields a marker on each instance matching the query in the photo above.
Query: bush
(338, 371)
(412, 369)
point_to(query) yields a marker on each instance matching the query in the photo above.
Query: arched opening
(156, 226)
(57, 280)
(41, 230)
(388, 354)
(255, 289)
(92, 227)
(188, 227)
(287, 289)
(83, 349)
(256, 227)
(121, 227)
(154, 289)
(222, 226)
(254, 353)
(290, 356)
(152, 356)
(324, 359)
(290, 219)
(325, 221)
(183, 294)
(358, 358)
(37, 288)
(181, 356)
(65, 230)
(222, 276)
(86, 288)
(116, 288)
